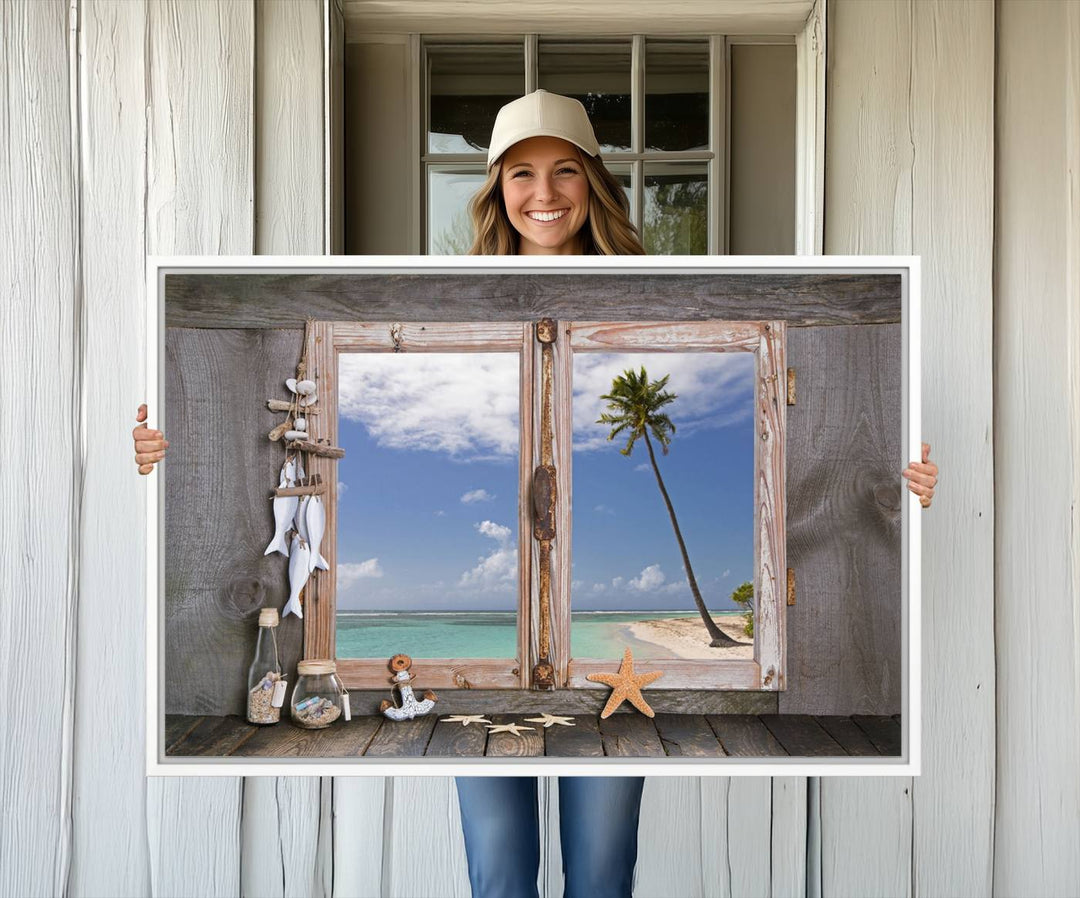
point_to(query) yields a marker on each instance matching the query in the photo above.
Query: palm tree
(634, 405)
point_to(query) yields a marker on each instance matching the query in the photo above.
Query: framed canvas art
(495, 515)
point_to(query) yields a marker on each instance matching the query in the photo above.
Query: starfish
(466, 719)
(508, 728)
(627, 685)
(548, 719)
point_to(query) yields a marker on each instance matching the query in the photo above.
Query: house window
(659, 106)
(445, 546)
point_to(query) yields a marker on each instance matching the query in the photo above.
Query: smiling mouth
(554, 215)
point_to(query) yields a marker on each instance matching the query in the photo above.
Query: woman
(548, 193)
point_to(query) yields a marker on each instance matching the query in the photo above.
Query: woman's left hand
(922, 477)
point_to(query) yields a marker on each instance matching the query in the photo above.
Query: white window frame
(809, 42)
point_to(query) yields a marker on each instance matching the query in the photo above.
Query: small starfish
(466, 719)
(627, 686)
(548, 719)
(508, 728)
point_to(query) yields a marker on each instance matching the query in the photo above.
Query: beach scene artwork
(428, 508)
(695, 412)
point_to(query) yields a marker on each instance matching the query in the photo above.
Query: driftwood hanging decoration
(299, 514)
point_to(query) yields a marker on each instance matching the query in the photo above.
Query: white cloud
(463, 404)
(497, 532)
(727, 572)
(617, 582)
(496, 571)
(651, 578)
(714, 389)
(473, 496)
(439, 513)
(350, 572)
(645, 466)
(603, 509)
(342, 488)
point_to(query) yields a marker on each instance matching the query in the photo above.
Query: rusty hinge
(790, 386)
(544, 501)
(791, 586)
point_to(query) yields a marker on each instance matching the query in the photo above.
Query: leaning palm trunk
(719, 637)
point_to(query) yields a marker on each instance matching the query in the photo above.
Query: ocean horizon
(490, 634)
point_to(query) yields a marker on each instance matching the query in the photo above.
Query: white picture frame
(908, 763)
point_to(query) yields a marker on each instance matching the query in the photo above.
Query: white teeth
(546, 216)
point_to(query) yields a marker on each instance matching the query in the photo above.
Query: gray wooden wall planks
(842, 462)
(93, 181)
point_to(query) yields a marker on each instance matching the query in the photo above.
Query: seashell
(276, 433)
(305, 387)
(295, 435)
(310, 399)
(291, 384)
(300, 424)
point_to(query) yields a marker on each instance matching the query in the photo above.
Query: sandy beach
(686, 637)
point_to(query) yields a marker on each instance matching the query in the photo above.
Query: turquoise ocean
(488, 634)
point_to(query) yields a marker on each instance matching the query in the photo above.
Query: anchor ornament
(409, 708)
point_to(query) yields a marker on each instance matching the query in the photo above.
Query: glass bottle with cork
(266, 685)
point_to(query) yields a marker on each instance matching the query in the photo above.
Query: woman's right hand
(150, 445)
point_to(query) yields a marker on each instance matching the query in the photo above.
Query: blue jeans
(598, 822)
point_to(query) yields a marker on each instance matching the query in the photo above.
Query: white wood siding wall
(1037, 450)
(177, 127)
(909, 169)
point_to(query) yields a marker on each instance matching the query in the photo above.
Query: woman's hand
(922, 477)
(150, 445)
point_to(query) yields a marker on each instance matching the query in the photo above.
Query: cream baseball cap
(541, 114)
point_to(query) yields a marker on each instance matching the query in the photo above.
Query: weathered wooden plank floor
(621, 735)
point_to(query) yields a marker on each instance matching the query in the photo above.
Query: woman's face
(546, 195)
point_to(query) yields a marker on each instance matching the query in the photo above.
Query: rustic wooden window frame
(331, 340)
(766, 339)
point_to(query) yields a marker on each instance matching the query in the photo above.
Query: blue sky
(428, 487)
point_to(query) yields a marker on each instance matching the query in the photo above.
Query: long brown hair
(607, 231)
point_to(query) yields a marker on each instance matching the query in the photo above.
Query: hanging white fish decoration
(316, 525)
(284, 512)
(300, 472)
(301, 518)
(302, 528)
(298, 575)
(288, 472)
